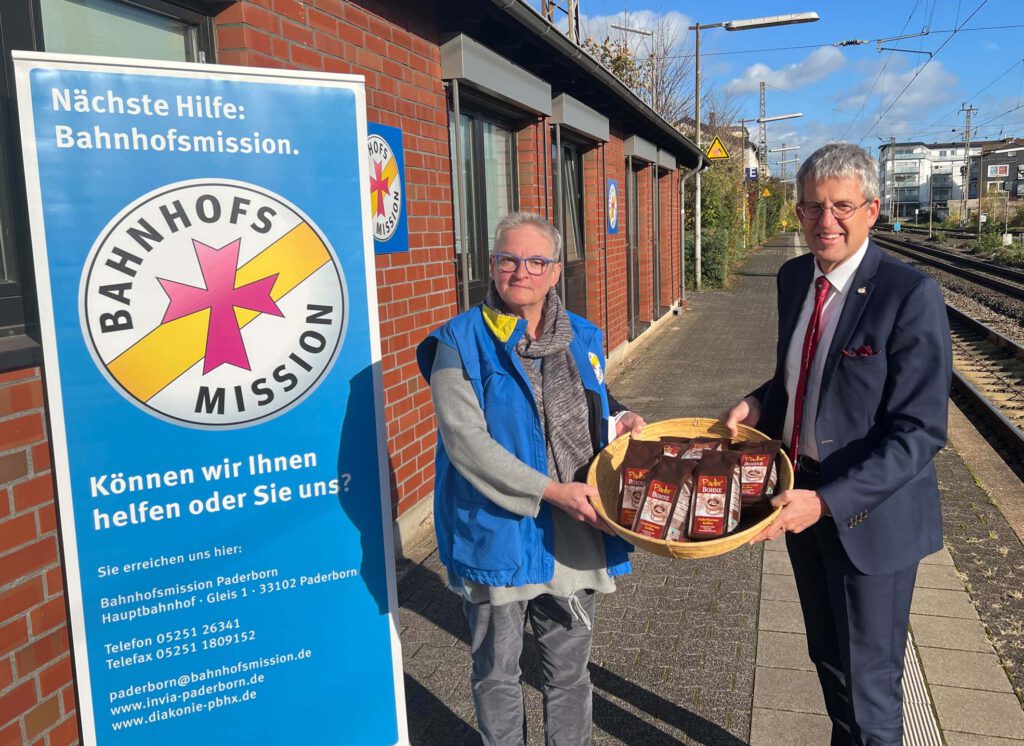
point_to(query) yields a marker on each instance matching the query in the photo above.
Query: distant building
(1002, 168)
(916, 176)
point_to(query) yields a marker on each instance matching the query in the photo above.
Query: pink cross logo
(224, 342)
(379, 186)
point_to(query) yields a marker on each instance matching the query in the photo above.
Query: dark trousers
(856, 633)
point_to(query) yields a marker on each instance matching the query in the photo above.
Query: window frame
(479, 111)
(21, 28)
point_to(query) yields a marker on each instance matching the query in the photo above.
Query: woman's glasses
(535, 265)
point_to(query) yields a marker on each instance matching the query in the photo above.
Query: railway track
(1006, 280)
(988, 377)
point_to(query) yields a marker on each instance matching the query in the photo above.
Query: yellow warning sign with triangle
(717, 151)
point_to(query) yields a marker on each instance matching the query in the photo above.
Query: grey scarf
(557, 388)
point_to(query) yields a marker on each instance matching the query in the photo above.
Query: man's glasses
(840, 210)
(535, 265)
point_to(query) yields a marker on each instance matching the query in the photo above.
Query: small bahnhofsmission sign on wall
(212, 357)
(612, 208)
(387, 189)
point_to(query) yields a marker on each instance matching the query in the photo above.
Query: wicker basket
(604, 474)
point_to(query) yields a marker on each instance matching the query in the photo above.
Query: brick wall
(533, 156)
(615, 165)
(37, 701)
(594, 233)
(669, 188)
(397, 52)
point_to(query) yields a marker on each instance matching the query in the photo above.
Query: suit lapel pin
(862, 291)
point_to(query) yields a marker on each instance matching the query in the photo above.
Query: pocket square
(862, 351)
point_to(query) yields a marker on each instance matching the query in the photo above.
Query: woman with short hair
(522, 409)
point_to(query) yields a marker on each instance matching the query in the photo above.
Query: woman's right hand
(573, 498)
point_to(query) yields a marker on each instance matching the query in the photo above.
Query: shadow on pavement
(423, 592)
(431, 720)
(631, 729)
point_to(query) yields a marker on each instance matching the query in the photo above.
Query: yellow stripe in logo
(145, 368)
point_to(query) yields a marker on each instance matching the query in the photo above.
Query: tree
(657, 69)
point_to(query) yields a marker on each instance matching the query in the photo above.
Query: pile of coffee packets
(690, 489)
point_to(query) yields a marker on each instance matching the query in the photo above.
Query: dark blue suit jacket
(881, 417)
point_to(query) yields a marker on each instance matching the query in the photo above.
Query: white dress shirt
(839, 280)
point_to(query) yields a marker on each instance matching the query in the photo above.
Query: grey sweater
(513, 485)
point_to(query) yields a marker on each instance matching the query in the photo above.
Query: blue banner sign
(208, 310)
(387, 189)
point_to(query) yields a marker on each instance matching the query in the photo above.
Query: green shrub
(714, 259)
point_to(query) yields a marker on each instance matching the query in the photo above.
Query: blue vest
(476, 539)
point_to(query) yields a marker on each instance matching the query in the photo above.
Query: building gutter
(539, 25)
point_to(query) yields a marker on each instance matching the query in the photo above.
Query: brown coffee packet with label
(641, 456)
(692, 447)
(715, 505)
(663, 485)
(681, 512)
(759, 470)
(674, 446)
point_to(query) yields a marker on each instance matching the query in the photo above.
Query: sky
(852, 93)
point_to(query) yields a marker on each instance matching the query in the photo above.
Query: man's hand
(800, 509)
(745, 412)
(571, 497)
(629, 422)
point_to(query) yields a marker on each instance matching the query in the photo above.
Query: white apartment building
(915, 177)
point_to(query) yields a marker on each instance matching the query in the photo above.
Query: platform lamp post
(782, 172)
(743, 25)
(764, 120)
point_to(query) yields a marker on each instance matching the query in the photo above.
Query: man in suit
(859, 399)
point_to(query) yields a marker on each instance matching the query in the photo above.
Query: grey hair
(522, 218)
(840, 160)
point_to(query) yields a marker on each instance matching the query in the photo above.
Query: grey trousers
(564, 641)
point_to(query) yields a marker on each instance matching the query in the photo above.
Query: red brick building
(499, 111)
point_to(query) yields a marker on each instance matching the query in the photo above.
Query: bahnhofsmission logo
(213, 304)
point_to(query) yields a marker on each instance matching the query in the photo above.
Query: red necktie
(811, 336)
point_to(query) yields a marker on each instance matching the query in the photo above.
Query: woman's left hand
(631, 423)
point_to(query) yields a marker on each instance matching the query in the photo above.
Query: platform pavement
(708, 651)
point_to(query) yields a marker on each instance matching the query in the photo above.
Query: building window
(149, 29)
(571, 168)
(488, 192)
(120, 29)
(999, 170)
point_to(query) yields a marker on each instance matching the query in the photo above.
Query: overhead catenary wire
(878, 77)
(974, 95)
(918, 72)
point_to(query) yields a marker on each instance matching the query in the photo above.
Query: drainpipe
(556, 176)
(604, 187)
(544, 155)
(630, 279)
(461, 217)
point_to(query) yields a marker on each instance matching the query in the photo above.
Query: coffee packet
(681, 512)
(641, 456)
(715, 505)
(663, 486)
(692, 447)
(759, 471)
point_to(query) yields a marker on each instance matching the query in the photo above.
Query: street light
(759, 120)
(743, 25)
